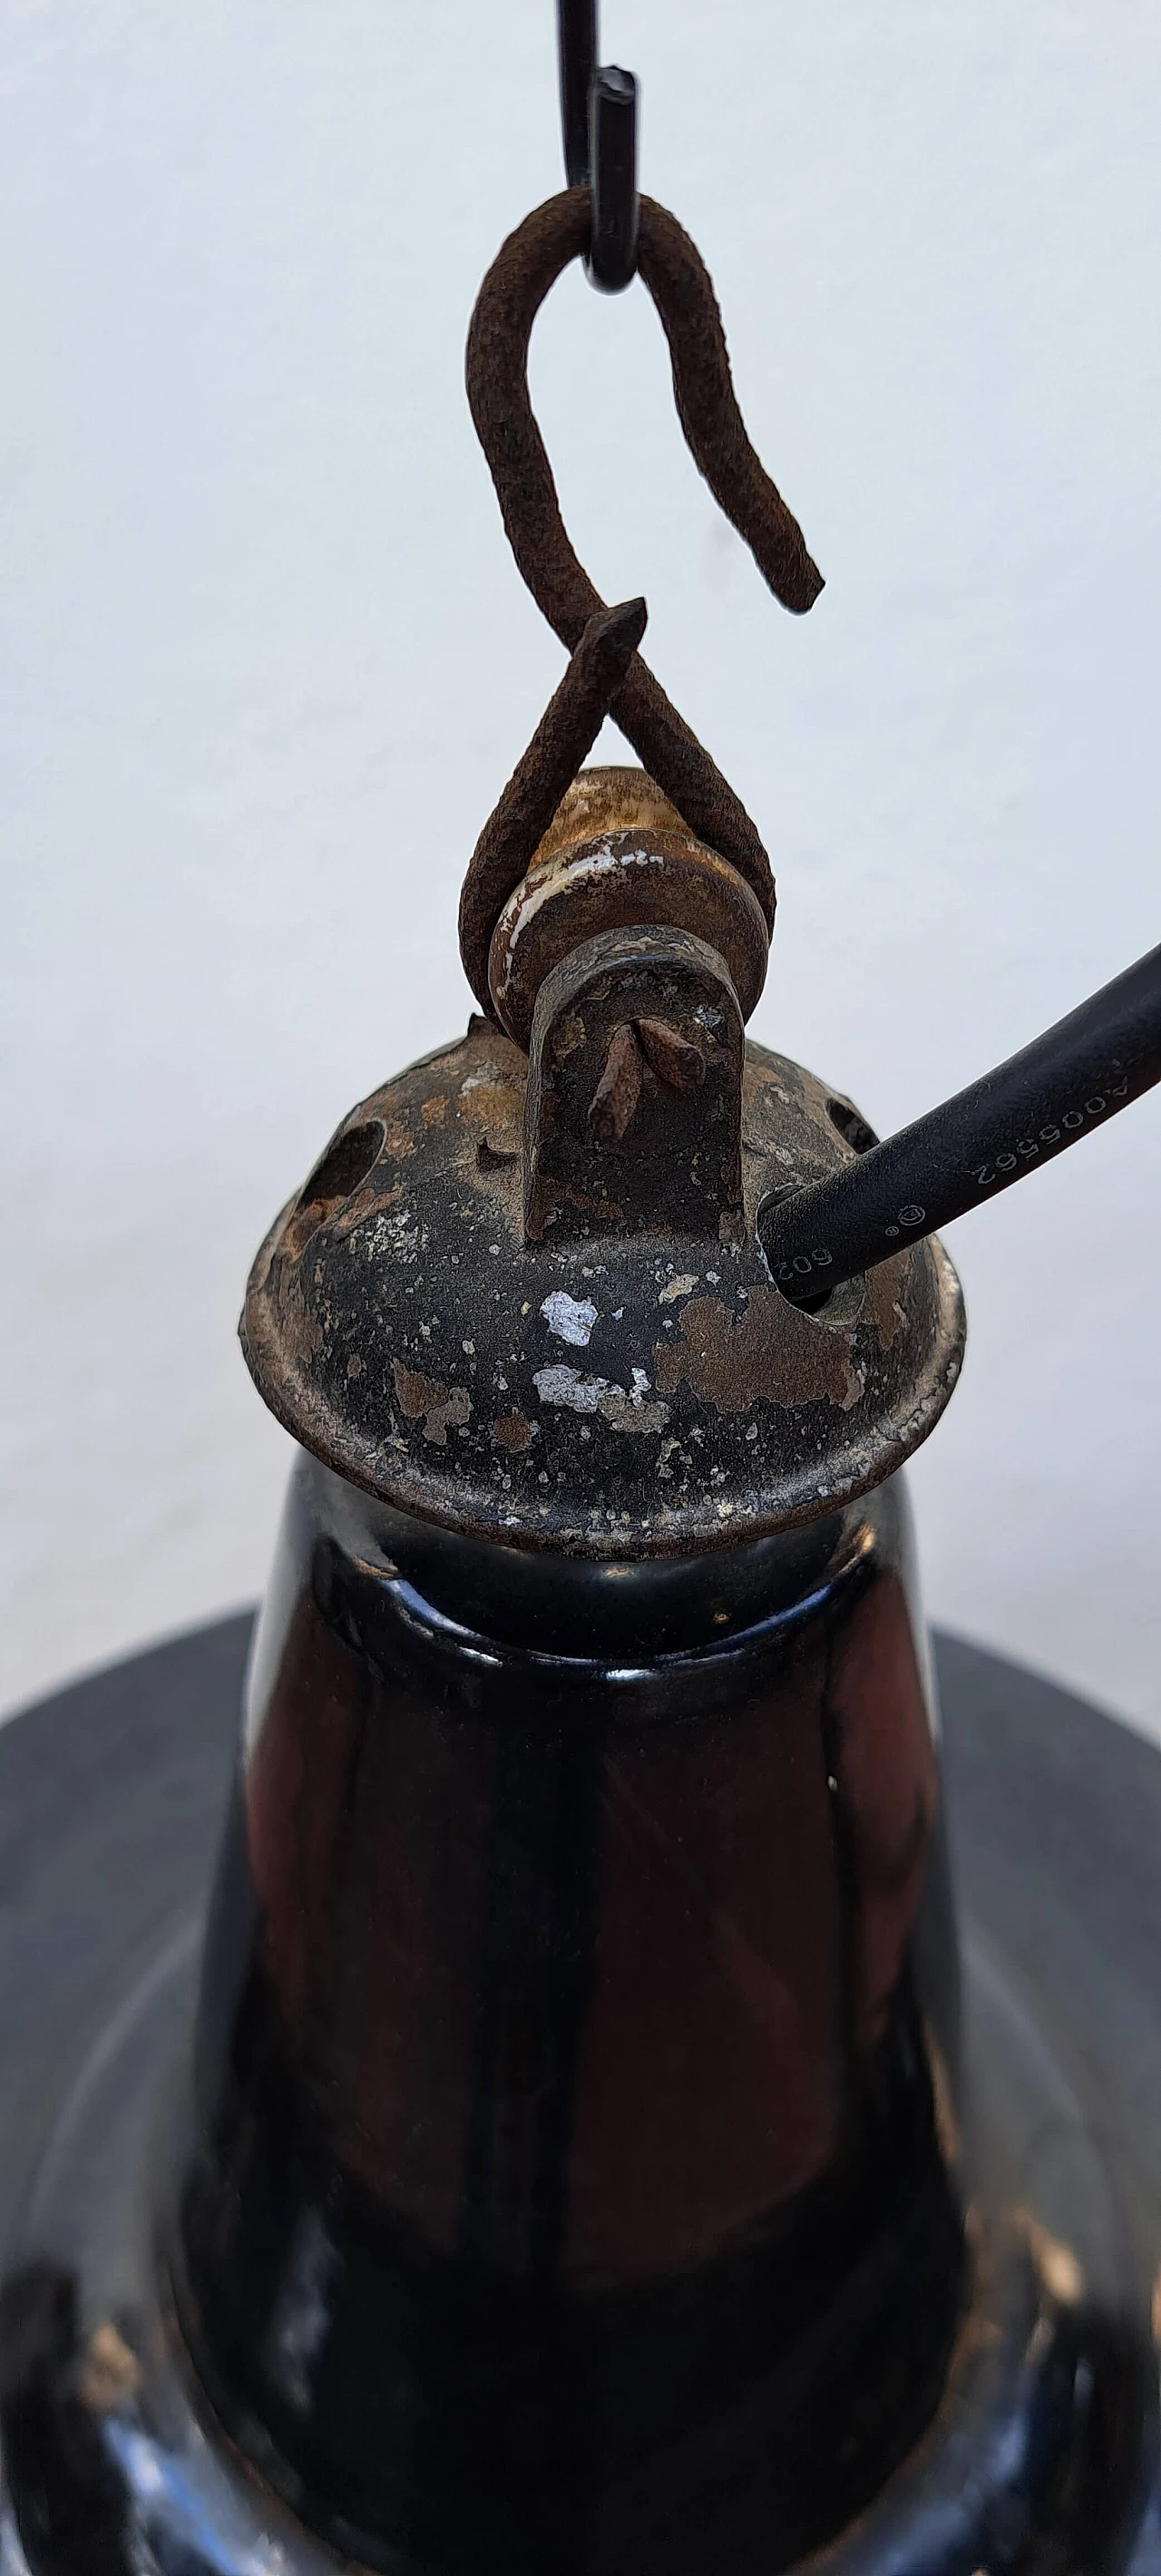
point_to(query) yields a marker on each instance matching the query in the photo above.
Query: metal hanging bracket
(598, 112)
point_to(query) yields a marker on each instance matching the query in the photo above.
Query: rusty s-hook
(610, 677)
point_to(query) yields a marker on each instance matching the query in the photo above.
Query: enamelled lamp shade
(573, 2134)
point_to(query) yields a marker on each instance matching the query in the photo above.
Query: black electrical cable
(1041, 1101)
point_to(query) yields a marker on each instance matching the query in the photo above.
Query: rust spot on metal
(882, 1305)
(619, 1089)
(770, 1354)
(442, 1408)
(674, 1059)
(349, 1158)
(414, 1391)
(569, 1034)
(497, 1109)
(398, 1141)
(301, 1326)
(366, 1204)
(513, 1433)
(487, 1100)
(552, 1203)
(625, 1412)
(434, 1111)
(492, 1156)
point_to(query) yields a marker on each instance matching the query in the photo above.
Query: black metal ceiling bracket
(598, 109)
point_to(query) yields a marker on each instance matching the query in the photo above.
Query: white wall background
(266, 663)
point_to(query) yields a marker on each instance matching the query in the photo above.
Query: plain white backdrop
(266, 663)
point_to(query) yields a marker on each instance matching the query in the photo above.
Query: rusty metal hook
(528, 264)
(563, 739)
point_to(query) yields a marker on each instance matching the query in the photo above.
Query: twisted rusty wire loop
(528, 265)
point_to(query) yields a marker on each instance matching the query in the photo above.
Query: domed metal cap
(526, 1296)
